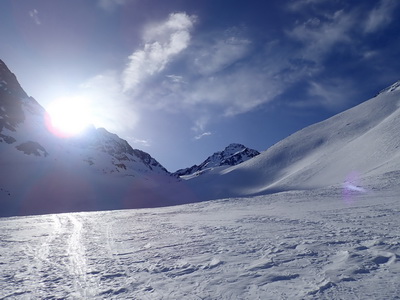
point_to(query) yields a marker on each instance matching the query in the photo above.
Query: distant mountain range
(97, 170)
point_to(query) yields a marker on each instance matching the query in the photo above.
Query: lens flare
(352, 188)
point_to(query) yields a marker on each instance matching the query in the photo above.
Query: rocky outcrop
(232, 155)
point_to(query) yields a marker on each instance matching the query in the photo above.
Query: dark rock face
(11, 93)
(6, 138)
(9, 82)
(395, 86)
(31, 147)
(232, 155)
(148, 160)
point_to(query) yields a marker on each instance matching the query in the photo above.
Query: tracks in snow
(59, 256)
(294, 245)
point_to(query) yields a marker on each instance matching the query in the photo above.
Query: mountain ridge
(232, 155)
(96, 170)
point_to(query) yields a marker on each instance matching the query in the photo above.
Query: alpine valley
(316, 216)
(97, 170)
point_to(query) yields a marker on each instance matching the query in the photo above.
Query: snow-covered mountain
(43, 173)
(353, 146)
(232, 155)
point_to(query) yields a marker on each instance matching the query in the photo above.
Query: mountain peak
(234, 146)
(9, 82)
(232, 155)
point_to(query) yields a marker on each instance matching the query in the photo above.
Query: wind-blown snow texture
(290, 245)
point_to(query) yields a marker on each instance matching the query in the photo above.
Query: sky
(182, 79)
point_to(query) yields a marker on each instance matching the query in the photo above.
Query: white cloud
(216, 56)
(204, 134)
(214, 92)
(34, 14)
(205, 98)
(332, 95)
(163, 42)
(380, 16)
(211, 81)
(111, 108)
(176, 78)
(161, 32)
(135, 141)
(319, 37)
(235, 92)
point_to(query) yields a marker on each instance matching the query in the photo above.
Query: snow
(290, 245)
(313, 217)
(95, 171)
(395, 86)
(363, 139)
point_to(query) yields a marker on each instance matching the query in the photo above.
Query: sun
(68, 116)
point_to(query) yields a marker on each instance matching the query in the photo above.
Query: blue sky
(183, 79)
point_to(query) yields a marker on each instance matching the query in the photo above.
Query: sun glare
(68, 116)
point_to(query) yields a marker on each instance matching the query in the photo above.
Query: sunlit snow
(292, 245)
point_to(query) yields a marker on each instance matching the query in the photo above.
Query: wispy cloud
(176, 78)
(204, 134)
(234, 92)
(34, 14)
(112, 108)
(162, 43)
(221, 53)
(380, 16)
(320, 36)
(225, 73)
(213, 82)
(328, 32)
(332, 95)
(139, 142)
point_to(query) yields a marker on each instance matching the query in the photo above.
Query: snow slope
(362, 141)
(290, 245)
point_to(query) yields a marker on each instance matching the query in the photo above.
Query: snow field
(292, 245)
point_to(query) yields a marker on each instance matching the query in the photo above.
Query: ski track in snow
(293, 245)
